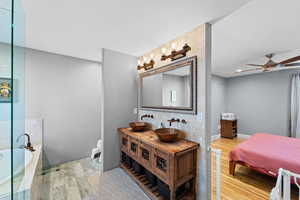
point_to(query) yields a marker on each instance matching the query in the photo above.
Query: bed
(267, 153)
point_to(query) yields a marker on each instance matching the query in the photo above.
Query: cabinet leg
(173, 194)
(193, 189)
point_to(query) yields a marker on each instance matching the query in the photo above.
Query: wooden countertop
(150, 138)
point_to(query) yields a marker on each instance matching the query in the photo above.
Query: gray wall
(120, 99)
(65, 92)
(18, 114)
(152, 90)
(261, 101)
(5, 108)
(218, 104)
(176, 83)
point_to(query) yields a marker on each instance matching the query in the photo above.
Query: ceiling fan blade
(254, 65)
(248, 70)
(290, 60)
(292, 64)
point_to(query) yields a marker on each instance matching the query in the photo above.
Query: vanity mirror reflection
(171, 87)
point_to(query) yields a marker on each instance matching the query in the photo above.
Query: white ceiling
(258, 28)
(81, 28)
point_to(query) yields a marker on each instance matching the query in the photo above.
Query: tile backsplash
(32, 126)
(193, 126)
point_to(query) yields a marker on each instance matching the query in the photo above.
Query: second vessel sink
(167, 134)
(138, 126)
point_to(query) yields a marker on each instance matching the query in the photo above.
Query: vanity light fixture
(176, 54)
(146, 65)
(173, 46)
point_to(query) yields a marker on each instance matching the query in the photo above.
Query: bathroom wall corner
(120, 100)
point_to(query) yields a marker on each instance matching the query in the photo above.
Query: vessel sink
(168, 134)
(140, 126)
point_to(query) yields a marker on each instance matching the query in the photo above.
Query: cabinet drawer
(146, 155)
(124, 143)
(133, 147)
(161, 165)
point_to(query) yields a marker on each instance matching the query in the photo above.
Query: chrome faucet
(28, 145)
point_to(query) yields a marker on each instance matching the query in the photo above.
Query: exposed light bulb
(139, 62)
(173, 45)
(163, 51)
(238, 70)
(145, 59)
(151, 56)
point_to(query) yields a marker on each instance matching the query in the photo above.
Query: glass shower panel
(5, 100)
(20, 155)
(12, 101)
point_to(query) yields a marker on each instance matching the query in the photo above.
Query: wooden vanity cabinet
(124, 143)
(133, 148)
(161, 165)
(174, 164)
(146, 156)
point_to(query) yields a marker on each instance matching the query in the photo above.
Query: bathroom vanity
(162, 170)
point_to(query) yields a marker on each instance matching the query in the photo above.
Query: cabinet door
(124, 143)
(146, 155)
(133, 147)
(161, 165)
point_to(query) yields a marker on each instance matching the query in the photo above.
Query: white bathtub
(21, 159)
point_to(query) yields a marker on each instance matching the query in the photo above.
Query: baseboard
(217, 136)
(243, 136)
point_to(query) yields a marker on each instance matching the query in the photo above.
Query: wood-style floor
(82, 180)
(77, 180)
(246, 184)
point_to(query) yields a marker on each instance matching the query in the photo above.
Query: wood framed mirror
(171, 88)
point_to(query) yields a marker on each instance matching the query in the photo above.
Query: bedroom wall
(261, 102)
(218, 104)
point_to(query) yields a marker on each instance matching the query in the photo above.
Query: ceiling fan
(270, 65)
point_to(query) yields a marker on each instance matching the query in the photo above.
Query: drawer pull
(145, 154)
(133, 147)
(124, 141)
(161, 163)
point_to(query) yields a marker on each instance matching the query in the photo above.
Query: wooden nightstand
(228, 128)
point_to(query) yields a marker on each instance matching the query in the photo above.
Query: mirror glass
(169, 88)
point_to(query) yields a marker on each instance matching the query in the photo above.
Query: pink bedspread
(267, 153)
